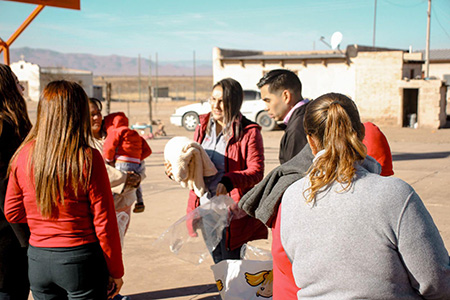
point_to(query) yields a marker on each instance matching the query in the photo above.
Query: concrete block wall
(377, 95)
(431, 101)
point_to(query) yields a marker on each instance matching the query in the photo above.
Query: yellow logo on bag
(219, 284)
(263, 278)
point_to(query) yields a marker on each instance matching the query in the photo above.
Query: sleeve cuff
(226, 181)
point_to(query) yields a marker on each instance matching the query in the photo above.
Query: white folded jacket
(190, 163)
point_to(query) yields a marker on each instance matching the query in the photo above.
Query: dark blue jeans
(68, 273)
(222, 253)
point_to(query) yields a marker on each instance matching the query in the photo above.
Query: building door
(410, 103)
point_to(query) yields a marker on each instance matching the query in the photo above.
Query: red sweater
(123, 143)
(378, 147)
(88, 218)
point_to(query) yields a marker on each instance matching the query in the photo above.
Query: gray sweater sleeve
(422, 250)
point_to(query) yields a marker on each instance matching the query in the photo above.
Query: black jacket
(294, 138)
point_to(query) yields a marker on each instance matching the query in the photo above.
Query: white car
(253, 108)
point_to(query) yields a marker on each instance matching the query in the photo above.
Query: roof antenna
(322, 39)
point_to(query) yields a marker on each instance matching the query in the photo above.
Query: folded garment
(262, 201)
(190, 163)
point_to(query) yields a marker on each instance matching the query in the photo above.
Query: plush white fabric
(190, 163)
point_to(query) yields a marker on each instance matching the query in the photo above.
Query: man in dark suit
(282, 91)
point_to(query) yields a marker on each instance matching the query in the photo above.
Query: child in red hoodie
(125, 149)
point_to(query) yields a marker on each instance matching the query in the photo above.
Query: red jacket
(122, 142)
(244, 168)
(378, 147)
(88, 218)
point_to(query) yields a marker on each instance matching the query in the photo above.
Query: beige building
(34, 78)
(440, 68)
(381, 81)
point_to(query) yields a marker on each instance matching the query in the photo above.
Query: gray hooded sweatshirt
(374, 241)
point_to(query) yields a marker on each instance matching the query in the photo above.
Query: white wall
(317, 78)
(30, 73)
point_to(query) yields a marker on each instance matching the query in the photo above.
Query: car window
(251, 95)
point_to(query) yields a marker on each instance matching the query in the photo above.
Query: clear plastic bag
(249, 252)
(193, 237)
(122, 222)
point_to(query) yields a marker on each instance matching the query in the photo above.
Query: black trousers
(68, 273)
(14, 283)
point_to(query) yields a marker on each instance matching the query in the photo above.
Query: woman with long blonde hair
(350, 233)
(59, 186)
(14, 127)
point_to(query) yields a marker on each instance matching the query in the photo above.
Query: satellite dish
(336, 40)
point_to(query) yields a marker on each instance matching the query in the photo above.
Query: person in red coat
(125, 149)
(58, 185)
(378, 147)
(235, 146)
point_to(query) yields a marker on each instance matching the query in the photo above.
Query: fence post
(150, 110)
(108, 98)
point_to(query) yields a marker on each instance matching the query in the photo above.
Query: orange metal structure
(72, 4)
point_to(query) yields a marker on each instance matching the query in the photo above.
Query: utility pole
(194, 79)
(139, 76)
(156, 75)
(427, 50)
(150, 116)
(108, 98)
(374, 23)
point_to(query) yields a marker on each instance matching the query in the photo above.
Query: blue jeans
(222, 253)
(124, 166)
(68, 273)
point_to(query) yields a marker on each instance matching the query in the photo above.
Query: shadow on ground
(180, 292)
(416, 156)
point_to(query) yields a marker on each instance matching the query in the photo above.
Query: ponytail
(332, 120)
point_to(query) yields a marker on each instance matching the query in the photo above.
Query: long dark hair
(332, 120)
(13, 108)
(232, 97)
(60, 154)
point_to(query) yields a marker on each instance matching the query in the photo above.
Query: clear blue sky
(175, 28)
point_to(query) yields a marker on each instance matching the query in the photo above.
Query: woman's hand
(114, 286)
(133, 179)
(168, 169)
(221, 189)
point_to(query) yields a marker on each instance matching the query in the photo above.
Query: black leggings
(68, 273)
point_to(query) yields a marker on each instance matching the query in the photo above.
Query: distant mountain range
(109, 65)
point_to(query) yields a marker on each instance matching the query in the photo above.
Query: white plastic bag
(244, 279)
(122, 222)
(193, 237)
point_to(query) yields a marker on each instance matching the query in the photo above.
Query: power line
(439, 23)
(405, 5)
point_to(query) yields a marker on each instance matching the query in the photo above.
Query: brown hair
(232, 97)
(332, 120)
(60, 153)
(13, 107)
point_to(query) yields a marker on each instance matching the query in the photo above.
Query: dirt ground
(421, 158)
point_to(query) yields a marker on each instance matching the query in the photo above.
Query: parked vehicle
(252, 108)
